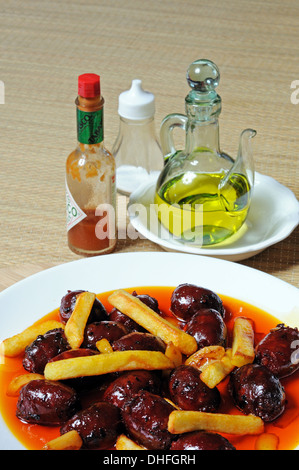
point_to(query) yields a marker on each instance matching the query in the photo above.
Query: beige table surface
(45, 45)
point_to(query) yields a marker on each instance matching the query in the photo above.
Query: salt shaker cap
(136, 103)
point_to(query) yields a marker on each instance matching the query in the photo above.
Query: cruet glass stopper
(203, 75)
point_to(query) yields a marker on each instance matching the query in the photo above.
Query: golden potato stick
(174, 354)
(16, 345)
(69, 441)
(124, 443)
(75, 326)
(18, 382)
(172, 403)
(188, 421)
(104, 346)
(267, 441)
(243, 342)
(204, 356)
(152, 321)
(217, 370)
(106, 363)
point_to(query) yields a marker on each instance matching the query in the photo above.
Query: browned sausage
(189, 392)
(208, 328)
(187, 299)
(46, 403)
(98, 425)
(109, 330)
(145, 416)
(139, 340)
(276, 350)
(201, 440)
(257, 391)
(67, 304)
(43, 349)
(129, 383)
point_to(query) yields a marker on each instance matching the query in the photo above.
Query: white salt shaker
(137, 152)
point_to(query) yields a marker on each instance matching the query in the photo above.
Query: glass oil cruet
(202, 194)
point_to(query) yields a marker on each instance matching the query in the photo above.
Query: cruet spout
(235, 188)
(244, 163)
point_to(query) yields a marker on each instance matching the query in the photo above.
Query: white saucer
(273, 215)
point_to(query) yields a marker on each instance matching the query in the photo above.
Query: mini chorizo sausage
(189, 392)
(145, 416)
(46, 403)
(187, 299)
(201, 440)
(109, 330)
(139, 340)
(67, 304)
(208, 328)
(43, 349)
(255, 390)
(276, 350)
(97, 425)
(129, 383)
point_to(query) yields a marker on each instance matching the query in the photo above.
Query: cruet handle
(166, 138)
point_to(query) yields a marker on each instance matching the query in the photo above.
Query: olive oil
(205, 208)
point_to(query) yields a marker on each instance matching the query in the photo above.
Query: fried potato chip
(75, 326)
(124, 443)
(205, 356)
(243, 342)
(107, 363)
(174, 354)
(104, 346)
(152, 321)
(16, 345)
(267, 441)
(216, 371)
(69, 441)
(188, 421)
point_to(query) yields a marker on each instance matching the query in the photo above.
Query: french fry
(188, 421)
(217, 370)
(75, 326)
(106, 363)
(18, 382)
(243, 342)
(174, 354)
(124, 443)
(205, 356)
(16, 345)
(152, 321)
(267, 441)
(104, 346)
(69, 441)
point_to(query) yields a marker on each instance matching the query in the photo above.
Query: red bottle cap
(89, 85)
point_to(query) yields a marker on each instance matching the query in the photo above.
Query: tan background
(45, 45)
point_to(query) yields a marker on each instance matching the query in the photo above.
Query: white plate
(273, 215)
(30, 299)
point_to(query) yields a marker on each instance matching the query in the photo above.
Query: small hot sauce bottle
(90, 177)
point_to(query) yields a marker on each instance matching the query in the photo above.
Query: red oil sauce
(286, 427)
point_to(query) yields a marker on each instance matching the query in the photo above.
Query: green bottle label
(90, 126)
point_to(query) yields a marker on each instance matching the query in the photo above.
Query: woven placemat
(46, 45)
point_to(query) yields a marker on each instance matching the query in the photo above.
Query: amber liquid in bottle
(90, 184)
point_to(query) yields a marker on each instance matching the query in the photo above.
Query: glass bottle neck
(90, 119)
(203, 135)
